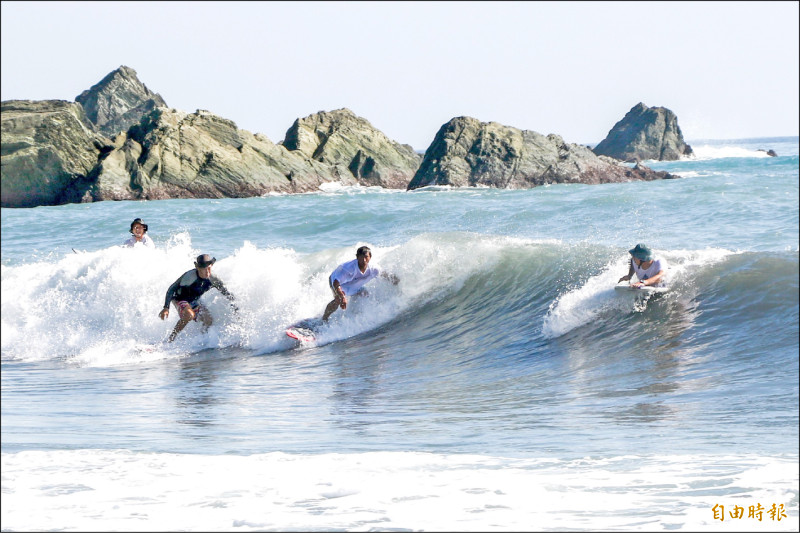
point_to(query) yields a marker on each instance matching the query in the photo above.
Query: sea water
(502, 384)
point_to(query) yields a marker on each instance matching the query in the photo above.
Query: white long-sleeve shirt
(146, 241)
(350, 277)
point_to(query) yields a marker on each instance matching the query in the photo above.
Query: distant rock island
(466, 152)
(645, 133)
(120, 141)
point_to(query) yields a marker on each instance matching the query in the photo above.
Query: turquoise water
(504, 345)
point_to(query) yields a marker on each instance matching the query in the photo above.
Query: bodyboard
(641, 290)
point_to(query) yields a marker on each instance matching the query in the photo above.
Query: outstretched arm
(168, 298)
(217, 284)
(630, 272)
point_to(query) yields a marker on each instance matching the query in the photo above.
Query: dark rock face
(173, 154)
(466, 152)
(349, 143)
(118, 101)
(645, 133)
(49, 151)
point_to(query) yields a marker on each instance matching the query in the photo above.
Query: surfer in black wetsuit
(185, 294)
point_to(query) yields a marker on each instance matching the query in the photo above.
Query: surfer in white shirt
(349, 278)
(139, 231)
(649, 270)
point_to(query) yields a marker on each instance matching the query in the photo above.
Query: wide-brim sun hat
(641, 252)
(205, 260)
(138, 221)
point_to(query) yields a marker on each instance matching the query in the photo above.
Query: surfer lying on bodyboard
(650, 271)
(347, 280)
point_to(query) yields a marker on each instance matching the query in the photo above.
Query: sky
(728, 70)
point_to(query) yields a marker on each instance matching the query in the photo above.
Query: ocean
(501, 385)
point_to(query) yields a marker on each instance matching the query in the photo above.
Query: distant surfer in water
(349, 278)
(139, 231)
(185, 294)
(649, 270)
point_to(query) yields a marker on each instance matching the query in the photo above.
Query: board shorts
(180, 305)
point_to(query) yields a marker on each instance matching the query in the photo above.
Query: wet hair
(364, 250)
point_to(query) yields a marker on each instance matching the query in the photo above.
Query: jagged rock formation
(49, 150)
(118, 101)
(467, 152)
(343, 140)
(173, 154)
(53, 152)
(645, 133)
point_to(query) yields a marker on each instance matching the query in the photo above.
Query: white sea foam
(341, 188)
(335, 187)
(705, 152)
(100, 490)
(117, 293)
(106, 303)
(450, 188)
(692, 174)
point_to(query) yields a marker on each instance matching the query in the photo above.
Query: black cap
(205, 260)
(138, 221)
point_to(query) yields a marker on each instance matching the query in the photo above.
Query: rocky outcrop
(53, 152)
(467, 152)
(118, 101)
(173, 154)
(49, 151)
(350, 144)
(645, 133)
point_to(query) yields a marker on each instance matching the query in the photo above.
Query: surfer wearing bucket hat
(185, 295)
(139, 231)
(650, 271)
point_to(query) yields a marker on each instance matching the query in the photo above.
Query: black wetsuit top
(190, 287)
